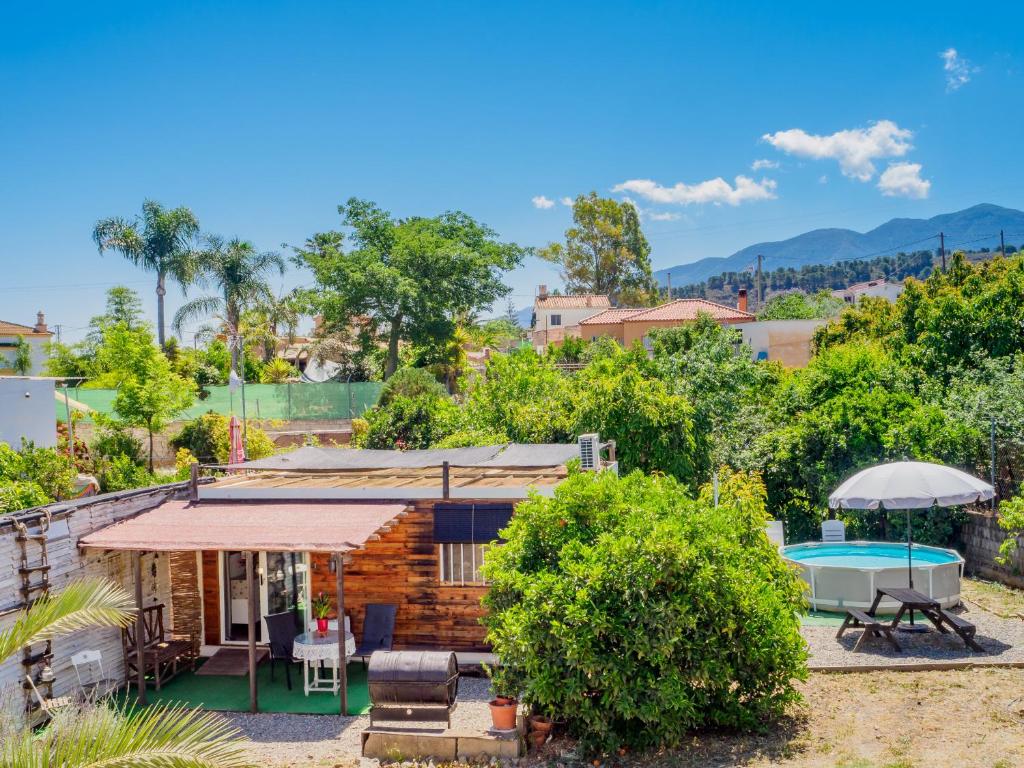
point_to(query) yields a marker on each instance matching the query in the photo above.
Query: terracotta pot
(503, 715)
(321, 626)
(537, 739)
(541, 724)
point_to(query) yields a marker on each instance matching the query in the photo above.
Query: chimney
(542, 292)
(40, 323)
(741, 302)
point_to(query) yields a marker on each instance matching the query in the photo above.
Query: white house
(35, 336)
(880, 288)
(553, 314)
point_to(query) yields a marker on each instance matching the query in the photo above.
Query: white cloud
(958, 70)
(823, 179)
(543, 202)
(715, 191)
(855, 149)
(662, 216)
(758, 165)
(567, 202)
(904, 180)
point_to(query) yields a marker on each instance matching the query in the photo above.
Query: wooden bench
(965, 629)
(164, 655)
(873, 627)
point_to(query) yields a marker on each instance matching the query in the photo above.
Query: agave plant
(106, 734)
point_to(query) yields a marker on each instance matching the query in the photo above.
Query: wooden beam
(339, 566)
(140, 630)
(250, 571)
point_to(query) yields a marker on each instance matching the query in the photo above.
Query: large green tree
(159, 241)
(238, 273)
(605, 251)
(410, 278)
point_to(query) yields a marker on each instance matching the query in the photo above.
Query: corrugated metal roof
(689, 309)
(274, 526)
(505, 455)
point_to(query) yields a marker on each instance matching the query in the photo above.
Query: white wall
(37, 344)
(787, 341)
(69, 563)
(27, 410)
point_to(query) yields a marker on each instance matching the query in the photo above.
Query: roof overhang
(254, 526)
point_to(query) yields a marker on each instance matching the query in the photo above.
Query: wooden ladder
(35, 584)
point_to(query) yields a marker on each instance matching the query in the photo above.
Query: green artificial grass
(231, 693)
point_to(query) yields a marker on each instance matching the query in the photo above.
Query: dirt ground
(966, 719)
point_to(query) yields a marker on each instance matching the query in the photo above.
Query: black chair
(378, 629)
(282, 632)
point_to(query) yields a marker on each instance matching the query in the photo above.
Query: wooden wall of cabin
(402, 568)
(211, 598)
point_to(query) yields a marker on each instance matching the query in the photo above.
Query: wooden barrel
(413, 677)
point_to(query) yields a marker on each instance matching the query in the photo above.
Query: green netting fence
(294, 402)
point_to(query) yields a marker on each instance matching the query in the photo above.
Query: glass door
(283, 579)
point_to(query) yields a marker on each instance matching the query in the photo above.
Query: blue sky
(262, 117)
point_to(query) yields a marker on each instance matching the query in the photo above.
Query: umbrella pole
(910, 566)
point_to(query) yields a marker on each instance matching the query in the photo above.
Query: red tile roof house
(36, 336)
(629, 325)
(556, 317)
(365, 527)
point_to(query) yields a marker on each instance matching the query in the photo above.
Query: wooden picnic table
(909, 600)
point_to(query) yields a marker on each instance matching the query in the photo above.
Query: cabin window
(461, 563)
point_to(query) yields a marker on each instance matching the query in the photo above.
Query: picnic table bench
(909, 600)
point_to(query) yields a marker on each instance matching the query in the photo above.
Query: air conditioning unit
(590, 452)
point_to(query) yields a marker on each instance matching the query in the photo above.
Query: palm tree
(159, 241)
(111, 736)
(239, 274)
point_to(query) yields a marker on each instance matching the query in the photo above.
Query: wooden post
(250, 571)
(445, 479)
(339, 563)
(140, 630)
(193, 482)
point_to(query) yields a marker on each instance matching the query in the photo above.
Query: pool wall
(838, 587)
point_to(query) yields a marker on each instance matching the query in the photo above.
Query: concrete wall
(27, 411)
(69, 563)
(981, 538)
(786, 341)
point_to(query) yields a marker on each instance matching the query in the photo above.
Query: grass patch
(1005, 602)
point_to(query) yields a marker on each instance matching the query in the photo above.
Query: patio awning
(254, 526)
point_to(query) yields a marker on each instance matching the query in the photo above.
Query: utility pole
(1002, 247)
(942, 250)
(58, 327)
(760, 287)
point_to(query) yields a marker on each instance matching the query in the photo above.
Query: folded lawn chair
(378, 629)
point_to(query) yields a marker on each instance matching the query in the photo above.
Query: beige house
(629, 325)
(881, 288)
(36, 336)
(555, 317)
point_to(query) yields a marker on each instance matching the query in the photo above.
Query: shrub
(208, 438)
(117, 440)
(638, 613)
(277, 371)
(360, 429)
(120, 473)
(20, 494)
(48, 468)
(411, 383)
(410, 422)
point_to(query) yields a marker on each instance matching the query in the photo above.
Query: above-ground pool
(845, 575)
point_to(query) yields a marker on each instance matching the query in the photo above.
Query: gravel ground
(1002, 639)
(278, 739)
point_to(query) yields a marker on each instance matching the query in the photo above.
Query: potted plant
(321, 607)
(504, 708)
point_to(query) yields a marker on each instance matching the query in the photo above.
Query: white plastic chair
(92, 680)
(833, 530)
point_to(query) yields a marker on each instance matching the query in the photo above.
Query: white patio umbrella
(909, 485)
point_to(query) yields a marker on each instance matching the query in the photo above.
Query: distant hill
(970, 229)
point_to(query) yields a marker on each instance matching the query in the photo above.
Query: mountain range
(972, 228)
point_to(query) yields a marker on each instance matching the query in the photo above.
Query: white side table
(318, 650)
